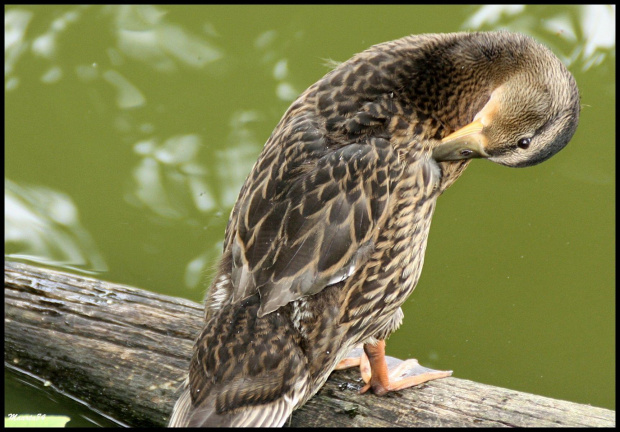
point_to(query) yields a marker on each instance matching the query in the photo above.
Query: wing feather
(318, 228)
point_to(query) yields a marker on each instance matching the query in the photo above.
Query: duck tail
(272, 414)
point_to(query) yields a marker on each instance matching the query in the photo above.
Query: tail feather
(181, 408)
(245, 371)
(273, 414)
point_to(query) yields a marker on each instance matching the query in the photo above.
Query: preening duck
(327, 237)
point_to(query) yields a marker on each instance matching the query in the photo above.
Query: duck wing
(310, 220)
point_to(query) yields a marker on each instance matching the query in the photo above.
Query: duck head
(528, 118)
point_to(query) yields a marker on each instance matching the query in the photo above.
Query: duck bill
(466, 143)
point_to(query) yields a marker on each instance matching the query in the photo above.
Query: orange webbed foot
(384, 374)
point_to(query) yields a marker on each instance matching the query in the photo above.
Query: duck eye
(524, 143)
(466, 153)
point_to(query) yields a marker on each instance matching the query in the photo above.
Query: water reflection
(144, 33)
(15, 23)
(270, 50)
(590, 29)
(167, 177)
(42, 225)
(128, 95)
(236, 160)
(171, 183)
(45, 45)
(489, 15)
(599, 28)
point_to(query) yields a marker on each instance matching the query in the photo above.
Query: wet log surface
(125, 351)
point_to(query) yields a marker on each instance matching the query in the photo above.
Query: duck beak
(466, 143)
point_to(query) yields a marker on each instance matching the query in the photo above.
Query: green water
(129, 131)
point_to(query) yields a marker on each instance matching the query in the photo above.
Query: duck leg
(402, 376)
(384, 374)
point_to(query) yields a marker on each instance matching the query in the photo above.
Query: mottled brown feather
(327, 237)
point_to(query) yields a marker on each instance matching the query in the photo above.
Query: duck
(327, 237)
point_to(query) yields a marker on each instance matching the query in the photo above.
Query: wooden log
(125, 351)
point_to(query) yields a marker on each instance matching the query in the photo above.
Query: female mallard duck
(327, 238)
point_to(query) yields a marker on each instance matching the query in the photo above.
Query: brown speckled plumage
(327, 237)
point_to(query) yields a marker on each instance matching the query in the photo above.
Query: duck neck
(444, 79)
